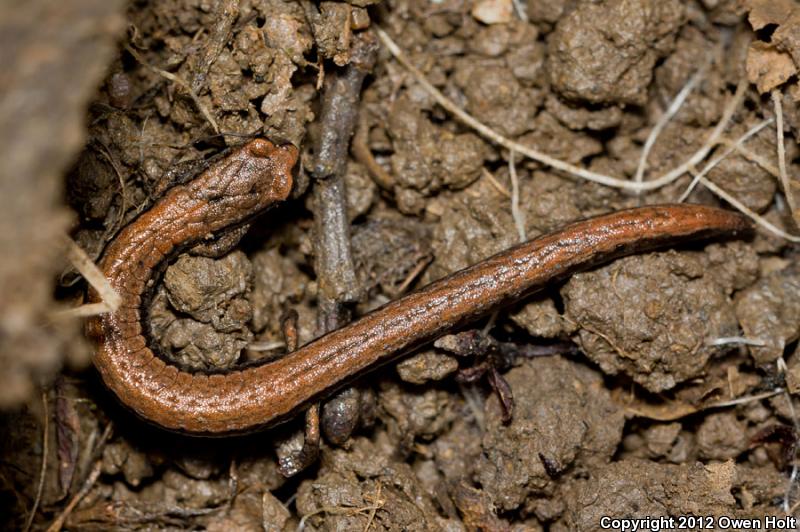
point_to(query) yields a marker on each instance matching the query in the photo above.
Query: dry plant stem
(752, 156)
(746, 399)
(178, 81)
(90, 481)
(516, 213)
(699, 178)
(662, 122)
(495, 183)
(558, 164)
(747, 212)
(684, 409)
(782, 369)
(536, 155)
(787, 186)
(43, 470)
(716, 160)
(418, 269)
(266, 346)
(376, 503)
(338, 286)
(333, 257)
(520, 10)
(226, 13)
(362, 153)
(111, 300)
(726, 340)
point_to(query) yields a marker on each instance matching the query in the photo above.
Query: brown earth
(104, 105)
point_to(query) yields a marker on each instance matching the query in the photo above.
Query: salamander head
(275, 161)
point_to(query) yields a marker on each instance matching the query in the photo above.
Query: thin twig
(760, 220)
(782, 369)
(558, 164)
(418, 269)
(726, 340)
(520, 9)
(495, 183)
(746, 399)
(376, 503)
(516, 213)
(787, 188)
(362, 153)
(333, 262)
(266, 345)
(178, 81)
(725, 153)
(43, 469)
(671, 111)
(110, 299)
(90, 480)
(745, 152)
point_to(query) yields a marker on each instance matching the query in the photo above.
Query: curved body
(258, 175)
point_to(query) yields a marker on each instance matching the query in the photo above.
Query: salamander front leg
(221, 244)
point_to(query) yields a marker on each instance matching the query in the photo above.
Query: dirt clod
(653, 385)
(605, 53)
(581, 429)
(769, 311)
(627, 325)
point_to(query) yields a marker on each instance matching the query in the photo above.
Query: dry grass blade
(747, 212)
(181, 83)
(495, 183)
(558, 164)
(716, 160)
(787, 185)
(43, 470)
(669, 177)
(516, 212)
(111, 300)
(58, 523)
(662, 122)
(740, 340)
(752, 156)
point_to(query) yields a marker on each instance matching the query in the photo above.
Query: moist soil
(660, 384)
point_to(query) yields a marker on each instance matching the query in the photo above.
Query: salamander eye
(261, 148)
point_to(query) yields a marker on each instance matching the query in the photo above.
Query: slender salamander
(258, 175)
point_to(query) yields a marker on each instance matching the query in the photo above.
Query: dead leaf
(765, 12)
(768, 68)
(68, 429)
(666, 411)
